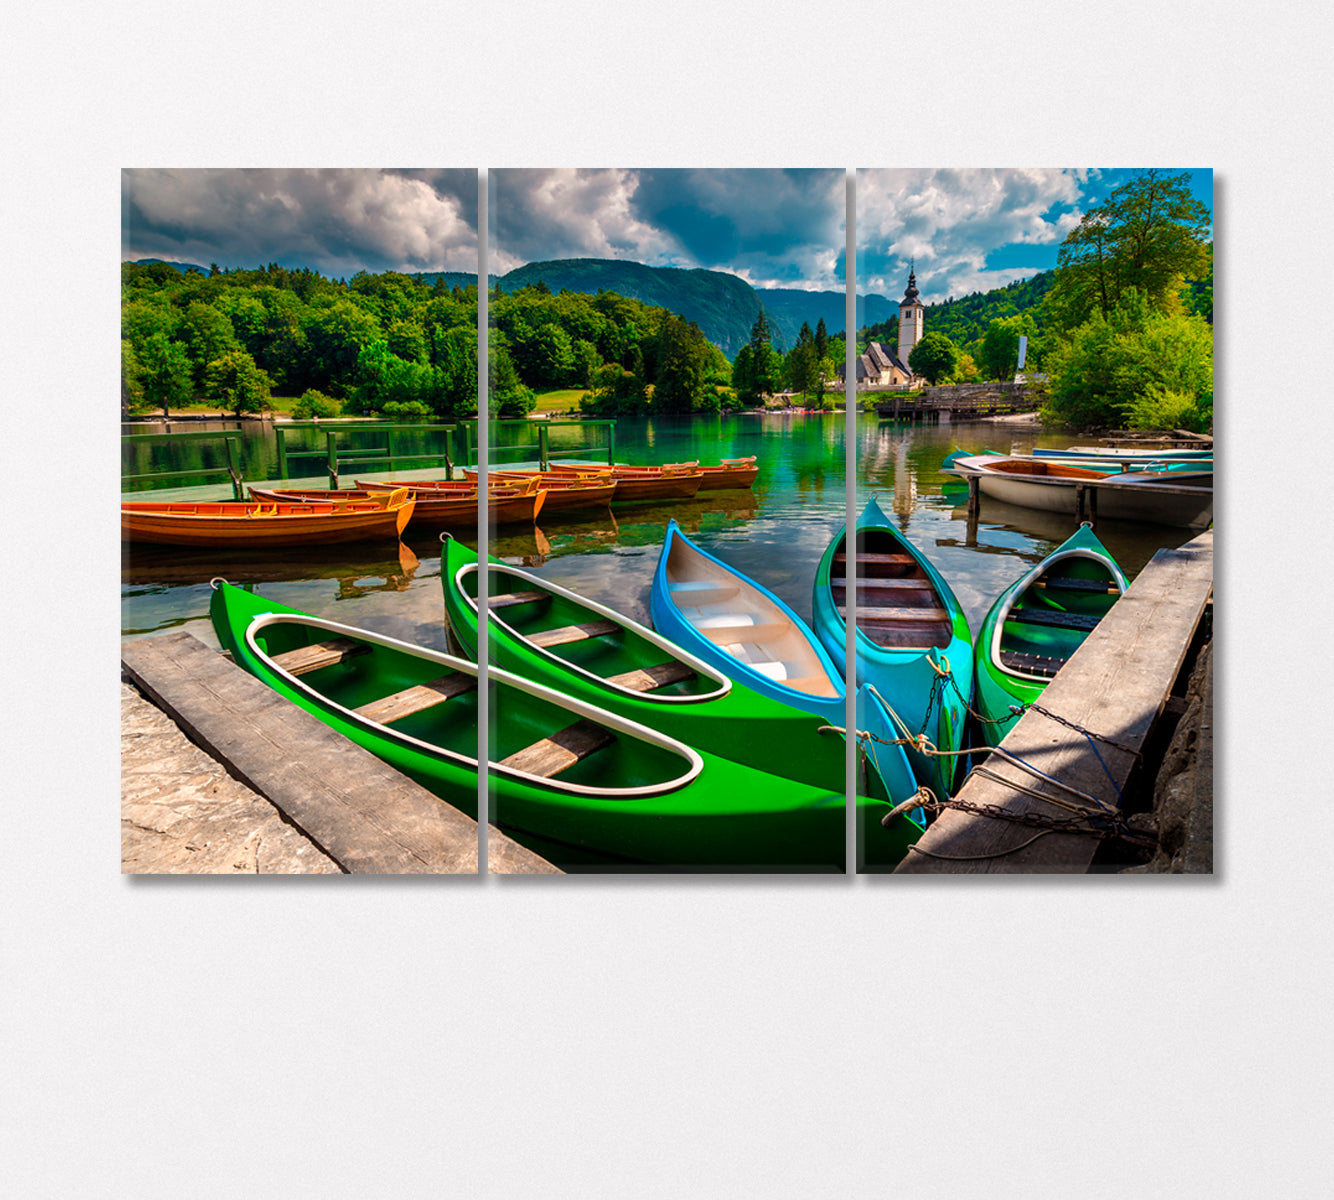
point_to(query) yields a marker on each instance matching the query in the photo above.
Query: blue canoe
(913, 642)
(732, 623)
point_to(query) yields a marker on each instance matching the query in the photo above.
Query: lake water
(774, 533)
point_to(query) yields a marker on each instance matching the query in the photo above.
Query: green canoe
(1037, 623)
(568, 642)
(585, 781)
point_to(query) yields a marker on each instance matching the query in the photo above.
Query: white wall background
(595, 1037)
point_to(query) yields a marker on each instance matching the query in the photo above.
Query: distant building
(880, 367)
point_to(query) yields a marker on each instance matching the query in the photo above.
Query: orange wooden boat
(564, 492)
(678, 481)
(453, 502)
(726, 473)
(225, 523)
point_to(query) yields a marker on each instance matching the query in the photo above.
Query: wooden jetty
(969, 401)
(1116, 686)
(367, 817)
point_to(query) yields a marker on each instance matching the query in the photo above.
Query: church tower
(911, 318)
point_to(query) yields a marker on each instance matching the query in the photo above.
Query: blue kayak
(913, 644)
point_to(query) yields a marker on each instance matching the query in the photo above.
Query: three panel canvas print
(642, 552)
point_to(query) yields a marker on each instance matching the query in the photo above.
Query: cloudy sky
(336, 222)
(974, 230)
(965, 230)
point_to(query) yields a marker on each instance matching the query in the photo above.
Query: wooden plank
(560, 751)
(1115, 685)
(646, 679)
(362, 813)
(415, 699)
(891, 559)
(305, 659)
(900, 614)
(510, 598)
(887, 585)
(572, 633)
(1066, 584)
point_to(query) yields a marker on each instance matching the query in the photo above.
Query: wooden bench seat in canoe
(648, 679)
(305, 659)
(560, 751)
(895, 560)
(1032, 664)
(1068, 584)
(881, 585)
(900, 613)
(417, 698)
(1059, 620)
(572, 633)
(506, 599)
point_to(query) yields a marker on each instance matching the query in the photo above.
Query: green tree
(314, 404)
(508, 395)
(164, 373)
(998, 353)
(934, 357)
(1150, 234)
(1134, 363)
(237, 383)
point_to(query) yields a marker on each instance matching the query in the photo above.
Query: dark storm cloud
(768, 226)
(334, 221)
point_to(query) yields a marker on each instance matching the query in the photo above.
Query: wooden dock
(970, 401)
(1115, 686)
(367, 817)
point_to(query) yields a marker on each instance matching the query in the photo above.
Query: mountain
(183, 268)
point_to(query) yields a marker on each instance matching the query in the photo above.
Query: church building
(881, 367)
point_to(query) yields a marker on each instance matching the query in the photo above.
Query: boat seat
(883, 584)
(694, 594)
(506, 599)
(867, 557)
(648, 679)
(1070, 584)
(572, 633)
(726, 635)
(1058, 620)
(1033, 664)
(560, 751)
(904, 613)
(414, 699)
(725, 620)
(305, 659)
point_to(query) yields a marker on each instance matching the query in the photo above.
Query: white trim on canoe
(576, 707)
(669, 648)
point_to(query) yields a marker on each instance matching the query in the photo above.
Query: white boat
(1162, 497)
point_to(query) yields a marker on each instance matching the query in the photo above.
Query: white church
(881, 368)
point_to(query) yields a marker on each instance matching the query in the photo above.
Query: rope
(976, 857)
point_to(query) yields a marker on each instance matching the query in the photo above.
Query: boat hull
(653, 802)
(626, 668)
(253, 524)
(913, 644)
(1037, 623)
(741, 629)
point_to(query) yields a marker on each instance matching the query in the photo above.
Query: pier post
(543, 448)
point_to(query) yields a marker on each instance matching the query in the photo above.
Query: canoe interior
(585, 638)
(1050, 620)
(743, 622)
(898, 606)
(1041, 467)
(389, 684)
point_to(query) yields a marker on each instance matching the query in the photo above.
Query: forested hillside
(396, 344)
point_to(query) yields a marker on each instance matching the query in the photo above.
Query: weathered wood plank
(560, 751)
(1067, 584)
(512, 598)
(572, 633)
(1114, 685)
(868, 613)
(362, 813)
(882, 585)
(646, 679)
(414, 699)
(305, 659)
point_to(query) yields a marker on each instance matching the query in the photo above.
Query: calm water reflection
(774, 533)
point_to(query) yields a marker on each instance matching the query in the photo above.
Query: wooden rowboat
(565, 493)
(1175, 498)
(227, 523)
(645, 483)
(584, 780)
(725, 474)
(742, 629)
(913, 645)
(450, 503)
(1037, 623)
